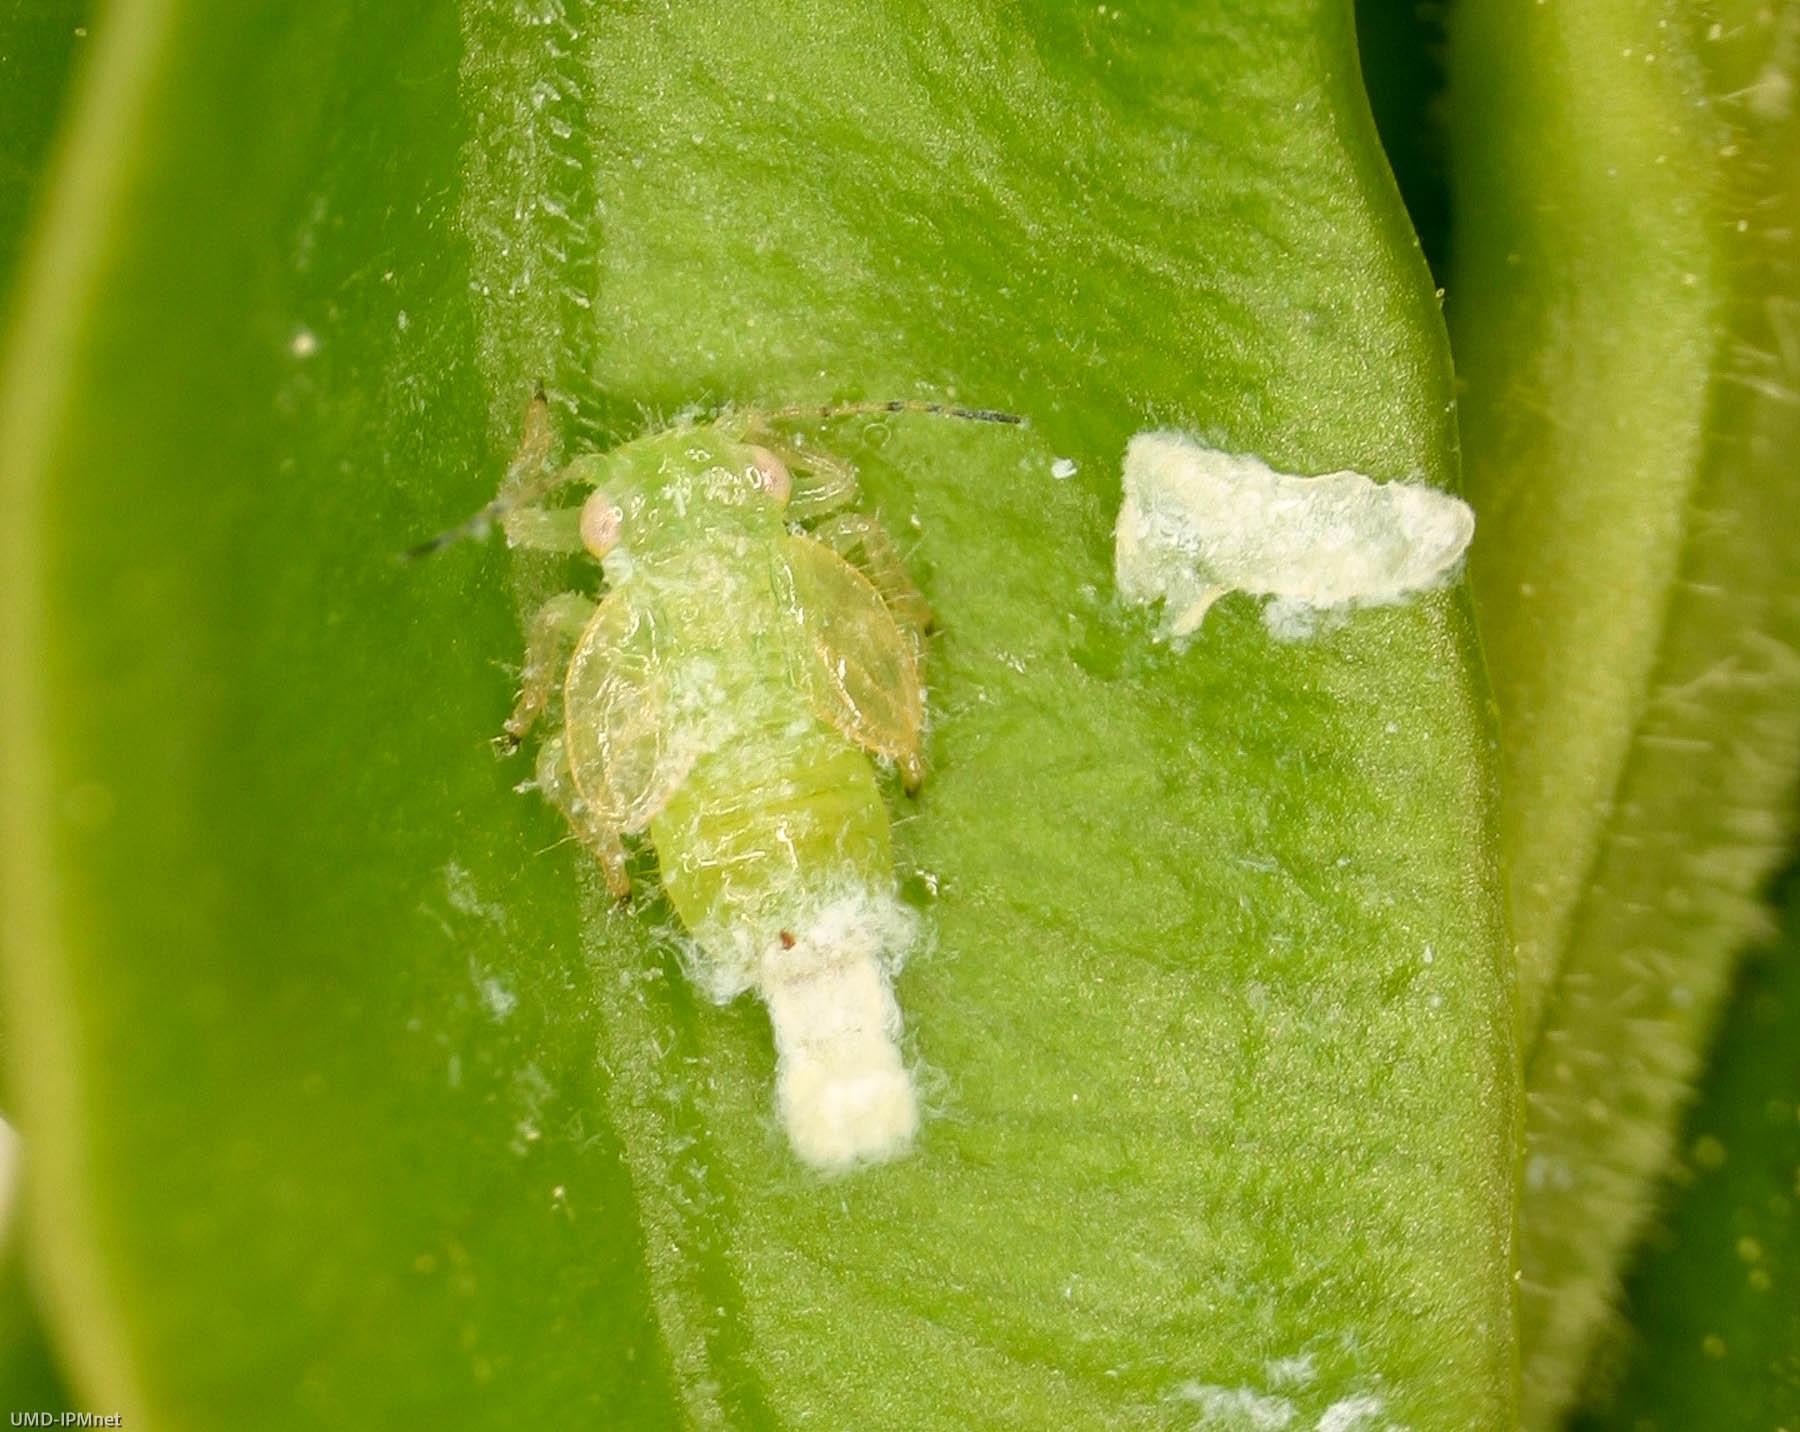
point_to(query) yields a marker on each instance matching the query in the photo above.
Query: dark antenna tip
(900, 405)
(534, 449)
(476, 526)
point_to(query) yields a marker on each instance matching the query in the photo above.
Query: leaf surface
(347, 1080)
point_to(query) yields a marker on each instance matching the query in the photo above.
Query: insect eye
(776, 480)
(600, 521)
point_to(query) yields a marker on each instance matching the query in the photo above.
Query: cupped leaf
(1624, 309)
(295, 992)
(344, 1081)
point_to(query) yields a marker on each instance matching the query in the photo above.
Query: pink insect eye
(776, 480)
(599, 524)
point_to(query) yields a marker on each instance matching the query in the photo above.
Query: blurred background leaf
(1712, 1330)
(40, 44)
(1623, 304)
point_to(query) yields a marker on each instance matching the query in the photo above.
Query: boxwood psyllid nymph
(724, 698)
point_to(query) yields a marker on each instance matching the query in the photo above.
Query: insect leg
(864, 543)
(558, 786)
(1189, 620)
(554, 631)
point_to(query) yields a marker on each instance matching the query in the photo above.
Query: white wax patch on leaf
(1197, 523)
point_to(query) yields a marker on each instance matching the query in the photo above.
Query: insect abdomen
(763, 829)
(777, 857)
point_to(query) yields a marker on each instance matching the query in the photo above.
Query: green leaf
(343, 1079)
(1624, 309)
(1715, 1325)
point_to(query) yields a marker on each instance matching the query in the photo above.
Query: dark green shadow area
(1404, 52)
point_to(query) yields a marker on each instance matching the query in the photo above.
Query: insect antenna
(534, 452)
(515, 491)
(898, 405)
